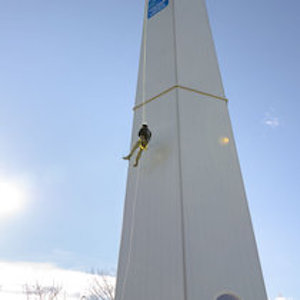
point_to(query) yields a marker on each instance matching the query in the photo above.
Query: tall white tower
(187, 233)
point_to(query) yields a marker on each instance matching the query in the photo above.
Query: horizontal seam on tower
(179, 87)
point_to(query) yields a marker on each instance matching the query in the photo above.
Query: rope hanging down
(144, 133)
(138, 171)
(144, 59)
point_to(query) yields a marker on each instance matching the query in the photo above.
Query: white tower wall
(187, 233)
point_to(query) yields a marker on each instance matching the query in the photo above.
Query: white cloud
(14, 275)
(270, 120)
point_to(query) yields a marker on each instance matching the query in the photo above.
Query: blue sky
(68, 72)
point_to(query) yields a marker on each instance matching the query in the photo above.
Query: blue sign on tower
(155, 6)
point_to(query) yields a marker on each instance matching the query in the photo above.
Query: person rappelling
(142, 143)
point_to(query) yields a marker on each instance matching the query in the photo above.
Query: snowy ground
(15, 276)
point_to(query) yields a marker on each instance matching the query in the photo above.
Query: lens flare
(224, 140)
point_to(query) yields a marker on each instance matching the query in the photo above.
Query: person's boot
(126, 157)
(136, 164)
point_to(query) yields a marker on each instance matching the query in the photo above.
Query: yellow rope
(179, 87)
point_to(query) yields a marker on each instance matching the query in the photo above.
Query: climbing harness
(143, 147)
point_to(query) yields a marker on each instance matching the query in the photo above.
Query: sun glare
(12, 197)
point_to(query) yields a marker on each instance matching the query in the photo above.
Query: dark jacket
(146, 133)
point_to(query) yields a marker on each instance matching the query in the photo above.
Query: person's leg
(137, 144)
(138, 158)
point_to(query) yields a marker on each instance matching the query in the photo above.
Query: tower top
(180, 50)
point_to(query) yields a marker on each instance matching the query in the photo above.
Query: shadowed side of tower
(187, 232)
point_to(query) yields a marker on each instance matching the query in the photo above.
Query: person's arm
(140, 132)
